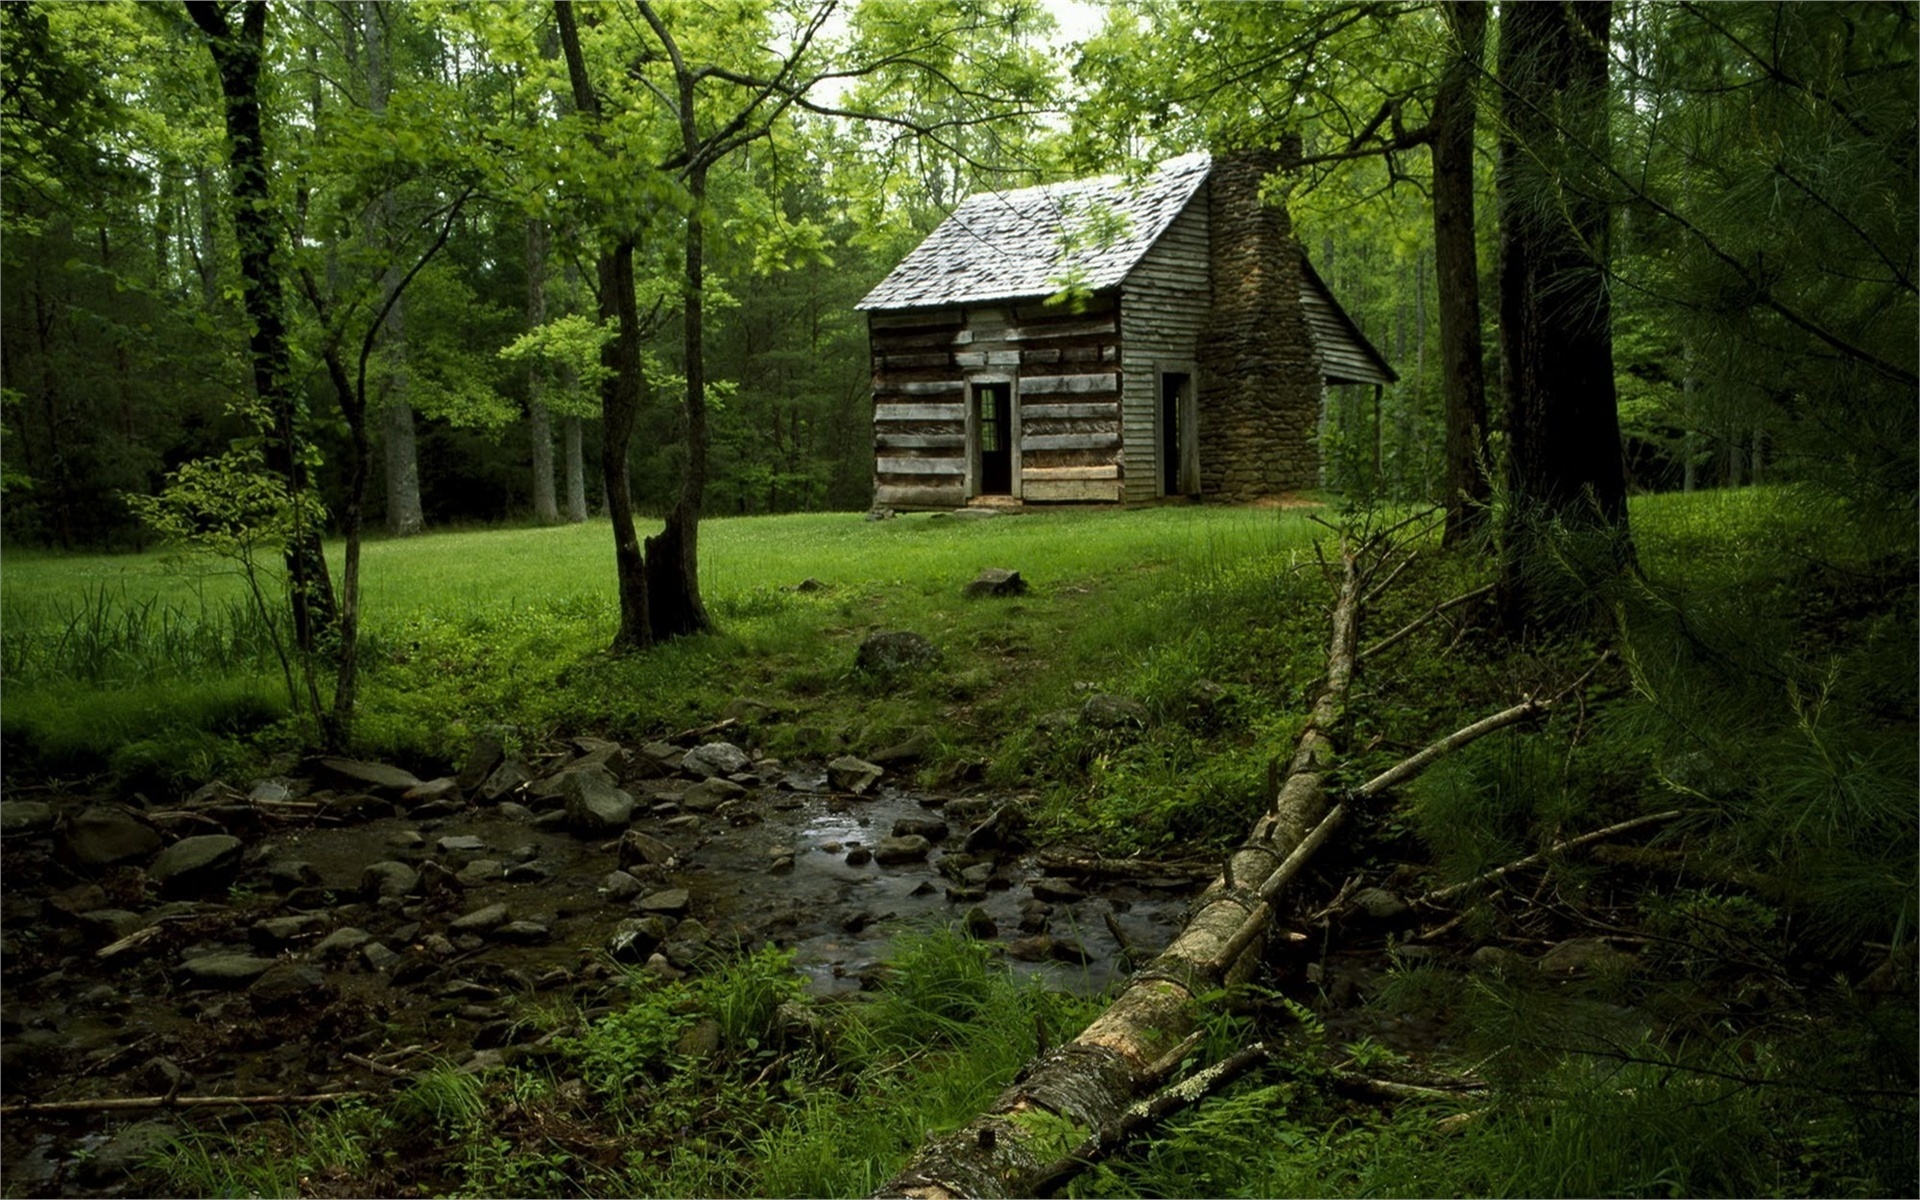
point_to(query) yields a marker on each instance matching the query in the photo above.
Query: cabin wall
(1064, 367)
(1163, 309)
(1260, 383)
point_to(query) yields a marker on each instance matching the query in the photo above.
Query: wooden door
(1179, 448)
(993, 416)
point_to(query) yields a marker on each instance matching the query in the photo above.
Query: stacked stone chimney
(1260, 393)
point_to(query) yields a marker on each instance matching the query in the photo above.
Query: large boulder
(850, 774)
(195, 866)
(101, 837)
(595, 806)
(890, 652)
(710, 794)
(1104, 711)
(893, 851)
(996, 581)
(715, 758)
(25, 816)
(378, 777)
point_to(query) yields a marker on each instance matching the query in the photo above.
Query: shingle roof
(1010, 245)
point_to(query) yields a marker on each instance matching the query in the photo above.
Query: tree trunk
(539, 422)
(1091, 1080)
(620, 391)
(1463, 384)
(238, 56)
(400, 449)
(1556, 341)
(576, 470)
(673, 556)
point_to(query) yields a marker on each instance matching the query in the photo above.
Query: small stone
(893, 851)
(101, 837)
(21, 817)
(273, 933)
(378, 776)
(715, 758)
(406, 839)
(781, 866)
(1379, 905)
(966, 895)
(699, 1040)
(637, 847)
(128, 1151)
(378, 956)
(479, 872)
(1498, 960)
(480, 920)
(388, 879)
(289, 873)
(685, 824)
(978, 924)
(483, 755)
(621, 887)
(341, 942)
(996, 581)
(931, 828)
(1059, 890)
(671, 902)
(284, 985)
(859, 856)
(511, 811)
(225, 970)
(1104, 711)
(1038, 948)
(79, 899)
(856, 775)
(524, 932)
(195, 866)
(594, 806)
(1584, 956)
(465, 843)
(509, 776)
(710, 794)
(887, 652)
(1067, 950)
(438, 945)
(444, 788)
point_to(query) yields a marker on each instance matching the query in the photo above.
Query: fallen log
(135, 1103)
(1070, 1095)
(1092, 1080)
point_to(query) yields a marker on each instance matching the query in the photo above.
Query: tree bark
(400, 449)
(576, 469)
(673, 555)
(1091, 1080)
(1556, 341)
(620, 391)
(539, 421)
(238, 57)
(1463, 384)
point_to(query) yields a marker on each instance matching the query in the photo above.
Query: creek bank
(343, 923)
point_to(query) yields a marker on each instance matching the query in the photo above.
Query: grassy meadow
(1762, 680)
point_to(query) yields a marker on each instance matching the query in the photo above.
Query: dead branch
(1393, 1089)
(1421, 622)
(1092, 866)
(1442, 895)
(125, 1103)
(361, 1060)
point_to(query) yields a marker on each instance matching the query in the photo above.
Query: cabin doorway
(993, 424)
(1179, 456)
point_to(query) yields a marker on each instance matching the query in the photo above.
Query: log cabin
(1107, 341)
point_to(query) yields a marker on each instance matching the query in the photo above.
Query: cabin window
(1179, 448)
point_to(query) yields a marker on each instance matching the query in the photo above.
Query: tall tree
(1556, 342)
(239, 55)
(1457, 267)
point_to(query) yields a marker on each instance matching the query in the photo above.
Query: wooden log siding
(1164, 305)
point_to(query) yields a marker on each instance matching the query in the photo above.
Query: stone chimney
(1260, 380)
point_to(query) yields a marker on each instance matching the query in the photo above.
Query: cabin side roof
(1346, 356)
(1019, 244)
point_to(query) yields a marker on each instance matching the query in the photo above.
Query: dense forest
(347, 773)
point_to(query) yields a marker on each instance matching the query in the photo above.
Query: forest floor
(847, 903)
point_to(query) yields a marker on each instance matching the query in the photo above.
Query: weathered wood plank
(907, 496)
(1069, 490)
(919, 412)
(920, 441)
(920, 466)
(1040, 385)
(1060, 474)
(987, 358)
(1066, 329)
(1071, 441)
(914, 319)
(895, 361)
(936, 387)
(1107, 410)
